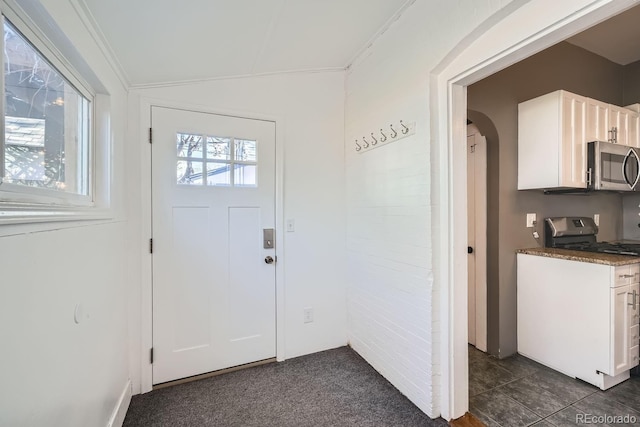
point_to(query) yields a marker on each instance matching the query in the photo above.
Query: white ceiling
(617, 39)
(159, 41)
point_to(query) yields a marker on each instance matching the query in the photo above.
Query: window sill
(13, 216)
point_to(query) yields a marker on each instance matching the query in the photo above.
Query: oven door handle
(631, 153)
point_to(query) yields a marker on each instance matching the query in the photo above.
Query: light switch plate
(531, 219)
(291, 225)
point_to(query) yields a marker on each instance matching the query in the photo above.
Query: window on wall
(45, 152)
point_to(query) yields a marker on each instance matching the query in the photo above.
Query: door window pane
(245, 176)
(218, 174)
(227, 161)
(189, 172)
(245, 150)
(218, 148)
(46, 138)
(189, 145)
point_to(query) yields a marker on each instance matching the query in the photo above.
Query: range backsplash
(631, 217)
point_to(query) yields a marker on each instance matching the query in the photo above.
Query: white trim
(120, 411)
(146, 341)
(531, 27)
(234, 77)
(91, 25)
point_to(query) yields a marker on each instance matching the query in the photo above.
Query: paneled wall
(393, 301)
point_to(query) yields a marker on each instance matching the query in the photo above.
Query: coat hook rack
(385, 137)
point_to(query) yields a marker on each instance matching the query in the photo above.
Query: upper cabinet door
(623, 126)
(573, 148)
(551, 141)
(597, 126)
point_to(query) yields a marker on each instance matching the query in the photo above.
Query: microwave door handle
(637, 159)
(633, 184)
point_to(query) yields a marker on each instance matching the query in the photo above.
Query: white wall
(393, 302)
(54, 371)
(309, 111)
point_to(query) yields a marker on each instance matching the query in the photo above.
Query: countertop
(592, 257)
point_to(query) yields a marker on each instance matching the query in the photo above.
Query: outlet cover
(596, 219)
(308, 314)
(531, 219)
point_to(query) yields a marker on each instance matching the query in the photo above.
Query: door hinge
(151, 355)
(150, 136)
(150, 246)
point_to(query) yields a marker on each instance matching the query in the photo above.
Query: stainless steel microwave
(613, 167)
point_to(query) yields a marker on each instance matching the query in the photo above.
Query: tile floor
(517, 391)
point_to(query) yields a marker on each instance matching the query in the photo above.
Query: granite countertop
(592, 257)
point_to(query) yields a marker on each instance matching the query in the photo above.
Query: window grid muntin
(230, 163)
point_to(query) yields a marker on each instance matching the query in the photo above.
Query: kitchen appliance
(612, 166)
(579, 234)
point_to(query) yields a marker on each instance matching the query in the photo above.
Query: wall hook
(384, 137)
(375, 141)
(366, 144)
(358, 147)
(405, 130)
(393, 132)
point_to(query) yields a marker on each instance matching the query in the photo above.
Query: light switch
(531, 220)
(291, 225)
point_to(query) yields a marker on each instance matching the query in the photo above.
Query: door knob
(269, 260)
(469, 250)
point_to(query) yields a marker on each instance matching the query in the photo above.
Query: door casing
(141, 358)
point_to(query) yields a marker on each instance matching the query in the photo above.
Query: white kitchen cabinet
(551, 141)
(624, 124)
(553, 131)
(606, 122)
(597, 121)
(578, 318)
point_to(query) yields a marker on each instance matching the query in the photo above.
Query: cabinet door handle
(626, 276)
(635, 299)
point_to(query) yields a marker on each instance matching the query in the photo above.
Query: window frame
(20, 203)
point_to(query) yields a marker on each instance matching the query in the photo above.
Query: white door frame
(146, 320)
(518, 31)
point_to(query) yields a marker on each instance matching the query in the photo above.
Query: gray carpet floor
(331, 388)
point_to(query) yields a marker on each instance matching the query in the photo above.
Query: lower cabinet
(579, 318)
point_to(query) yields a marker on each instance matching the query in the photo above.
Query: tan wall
(631, 85)
(563, 66)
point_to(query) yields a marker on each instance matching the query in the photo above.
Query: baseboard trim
(120, 411)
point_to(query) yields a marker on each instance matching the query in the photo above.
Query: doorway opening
(532, 26)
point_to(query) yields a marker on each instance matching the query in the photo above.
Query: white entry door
(213, 195)
(477, 237)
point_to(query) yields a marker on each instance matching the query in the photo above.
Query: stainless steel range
(579, 234)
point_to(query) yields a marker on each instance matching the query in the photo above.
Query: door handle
(469, 250)
(269, 260)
